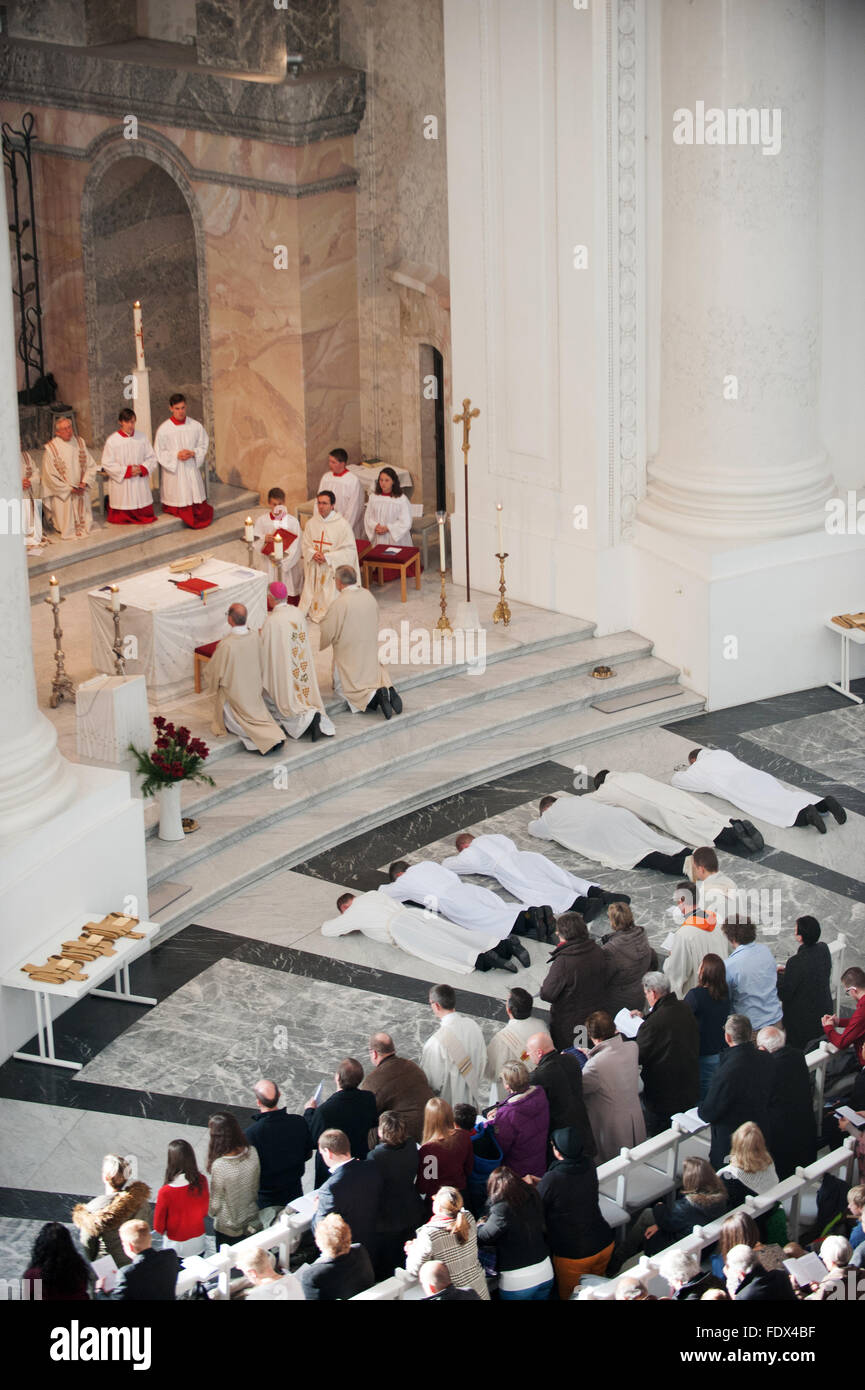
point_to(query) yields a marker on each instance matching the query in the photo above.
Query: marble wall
(171, 21)
(235, 35)
(312, 28)
(76, 22)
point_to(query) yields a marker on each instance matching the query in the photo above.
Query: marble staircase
(532, 702)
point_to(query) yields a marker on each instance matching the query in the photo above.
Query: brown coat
(629, 955)
(400, 1085)
(575, 986)
(100, 1229)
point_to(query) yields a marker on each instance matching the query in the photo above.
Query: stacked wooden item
(95, 940)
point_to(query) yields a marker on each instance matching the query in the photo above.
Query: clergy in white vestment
(757, 793)
(387, 519)
(699, 934)
(350, 626)
(716, 892)
(346, 488)
(509, 1043)
(180, 445)
(455, 1057)
(609, 835)
(673, 811)
(234, 680)
(288, 570)
(290, 685)
(531, 877)
(31, 510)
(418, 933)
(435, 888)
(129, 461)
(327, 542)
(68, 471)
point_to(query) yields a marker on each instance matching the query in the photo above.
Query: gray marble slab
(832, 743)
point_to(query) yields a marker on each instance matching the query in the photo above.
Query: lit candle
(115, 598)
(441, 520)
(139, 336)
(54, 590)
(501, 538)
(278, 550)
(248, 530)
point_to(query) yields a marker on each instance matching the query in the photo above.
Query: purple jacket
(522, 1124)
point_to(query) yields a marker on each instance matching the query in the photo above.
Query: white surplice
(440, 890)
(609, 835)
(690, 944)
(332, 537)
(290, 572)
(418, 933)
(392, 512)
(350, 498)
(671, 810)
(288, 677)
(509, 1045)
(533, 878)
(455, 1059)
(756, 793)
(181, 484)
(124, 451)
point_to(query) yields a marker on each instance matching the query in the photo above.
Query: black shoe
(549, 918)
(395, 700)
(491, 960)
(748, 835)
(835, 809)
(615, 898)
(373, 704)
(519, 950)
(756, 837)
(384, 703)
(275, 749)
(813, 817)
(535, 916)
(315, 728)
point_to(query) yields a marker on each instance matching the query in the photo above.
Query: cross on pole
(466, 417)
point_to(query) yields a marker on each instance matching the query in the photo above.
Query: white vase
(170, 820)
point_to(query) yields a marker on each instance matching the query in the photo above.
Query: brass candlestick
(444, 622)
(502, 611)
(117, 646)
(61, 686)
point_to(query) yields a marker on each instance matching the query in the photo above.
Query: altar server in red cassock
(128, 460)
(181, 447)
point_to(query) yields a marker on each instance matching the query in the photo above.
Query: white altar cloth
(162, 625)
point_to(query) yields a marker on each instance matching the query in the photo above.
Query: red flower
(158, 722)
(182, 737)
(162, 742)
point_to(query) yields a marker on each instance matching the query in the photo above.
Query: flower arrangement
(176, 757)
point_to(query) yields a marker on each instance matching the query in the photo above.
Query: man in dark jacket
(397, 1084)
(792, 1134)
(353, 1190)
(804, 985)
(349, 1109)
(283, 1144)
(749, 1282)
(669, 1048)
(562, 1080)
(575, 985)
(152, 1274)
(738, 1091)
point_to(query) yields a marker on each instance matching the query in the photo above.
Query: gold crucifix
(466, 417)
(320, 544)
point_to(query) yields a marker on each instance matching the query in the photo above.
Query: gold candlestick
(117, 645)
(502, 610)
(444, 622)
(62, 687)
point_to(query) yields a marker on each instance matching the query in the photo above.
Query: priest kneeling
(350, 626)
(234, 678)
(291, 691)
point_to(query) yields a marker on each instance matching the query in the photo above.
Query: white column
(741, 277)
(35, 781)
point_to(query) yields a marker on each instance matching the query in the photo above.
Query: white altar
(162, 625)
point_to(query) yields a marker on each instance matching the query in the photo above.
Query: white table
(162, 625)
(847, 635)
(369, 476)
(96, 971)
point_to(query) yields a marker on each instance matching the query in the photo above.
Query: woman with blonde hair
(750, 1171)
(121, 1199)
(446, 1157)
(450, 1236)
(628, 955)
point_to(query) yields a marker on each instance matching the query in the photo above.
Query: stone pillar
(739, 450)
(35, 781)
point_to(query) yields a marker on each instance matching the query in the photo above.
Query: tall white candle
(139, 336)
(442, 542)
(248, 529)
(53, 590)
(501, 538)
(278, 549)
(115, 598)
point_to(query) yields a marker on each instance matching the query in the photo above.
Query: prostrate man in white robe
(455, 1057)
(347, 489)
(434, 887)
(698, 935)
(234, 679)
(387, 519)
(350, 626)
(327, 543)
(290, 685)
(289, 570)
(418, 933)
(31, 509)
(129, 462)
(609, 835)
(757, 793)
(532, 878)
(180, 445)
(674, 811)
(68, 471)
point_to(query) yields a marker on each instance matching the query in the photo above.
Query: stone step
(337, 813)
(302, 779)
(239, 771)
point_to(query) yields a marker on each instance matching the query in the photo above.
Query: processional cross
(466, 417)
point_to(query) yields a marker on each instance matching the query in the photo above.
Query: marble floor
(254, 989)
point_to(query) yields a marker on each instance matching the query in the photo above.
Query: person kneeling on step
(351, 626)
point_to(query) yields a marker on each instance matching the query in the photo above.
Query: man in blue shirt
(752, 975)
